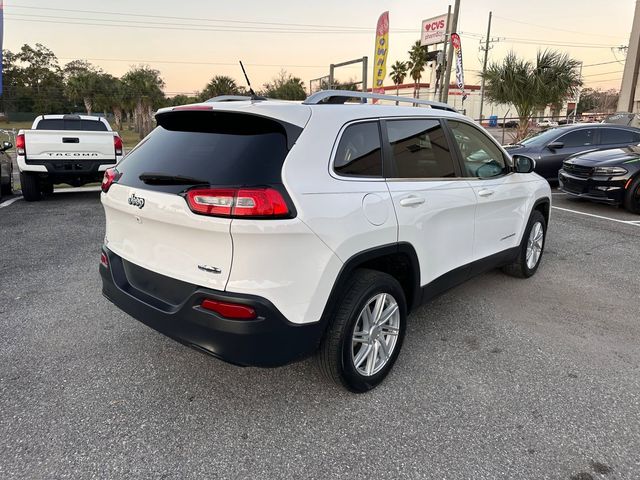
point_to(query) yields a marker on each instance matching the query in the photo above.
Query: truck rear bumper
(173, 307)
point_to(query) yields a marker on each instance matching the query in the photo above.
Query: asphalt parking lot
(498, 378)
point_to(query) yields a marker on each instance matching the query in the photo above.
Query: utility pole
(626, 100)
(453, 28)
(575, 109)
(444, 52)
(484, 65)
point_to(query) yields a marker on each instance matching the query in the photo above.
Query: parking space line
(635, 223)
(10, 201)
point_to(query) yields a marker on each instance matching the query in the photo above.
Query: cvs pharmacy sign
(433, 30)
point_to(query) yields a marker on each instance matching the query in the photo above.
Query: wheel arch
(543, 205)
(399, 260)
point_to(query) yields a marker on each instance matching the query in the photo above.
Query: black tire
(334, 357)
(632, 197)
(519, 268)
(30, 185)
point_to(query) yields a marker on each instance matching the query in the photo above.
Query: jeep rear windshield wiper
(151, 178)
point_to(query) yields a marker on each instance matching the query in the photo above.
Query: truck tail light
(111, 175)
(234, 311)
(117, 144)
(238, 202)
(20, 144)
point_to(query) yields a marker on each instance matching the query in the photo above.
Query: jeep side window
(359, 152)
(420, 149)
(481, 157)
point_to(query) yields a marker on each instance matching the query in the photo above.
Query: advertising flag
(380, 57)
(457, 52)
(1, 35)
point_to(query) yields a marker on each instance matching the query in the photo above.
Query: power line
(184, 62)
(601, 63)
(590, 34)
(327, 28)
(606, 80)
(603, 73)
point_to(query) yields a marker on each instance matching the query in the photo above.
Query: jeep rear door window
(359, 153)
(420, 149)
(217, 149)
(610, 136)
(71, 124)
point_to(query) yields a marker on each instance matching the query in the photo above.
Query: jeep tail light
(238, 202)
(234, 311)
(20, 144)
(117, 143)
(111, 175)
(104, 260)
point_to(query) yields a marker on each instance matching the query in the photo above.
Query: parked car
(608, 176)
(261, 231)
(72, 149)
(623, 118)
(547, 123)
(549, 148)
(6, 170)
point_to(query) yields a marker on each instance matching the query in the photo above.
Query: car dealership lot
(498, 378)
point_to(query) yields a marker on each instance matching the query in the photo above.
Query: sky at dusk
(190, 41)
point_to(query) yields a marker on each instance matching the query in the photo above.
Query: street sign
(433, 30)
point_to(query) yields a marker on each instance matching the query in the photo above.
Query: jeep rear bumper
(172, 307)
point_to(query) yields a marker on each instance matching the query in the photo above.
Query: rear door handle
(485, 193)
(411, 201)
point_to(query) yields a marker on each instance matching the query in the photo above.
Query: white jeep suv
(262, 231)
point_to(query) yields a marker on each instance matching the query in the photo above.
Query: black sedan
(609, 176)
(549, 148)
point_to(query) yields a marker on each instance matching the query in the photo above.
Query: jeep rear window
(217, 148)
(71, 124)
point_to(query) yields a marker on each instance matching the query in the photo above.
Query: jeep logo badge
(136, 201)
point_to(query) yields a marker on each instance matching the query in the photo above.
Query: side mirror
(555, 145)
(523, 164)
(6, 146)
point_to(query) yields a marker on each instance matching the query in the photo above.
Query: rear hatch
(69, 145)
(149, 220)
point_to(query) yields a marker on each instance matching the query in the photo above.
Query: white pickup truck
(72, 149)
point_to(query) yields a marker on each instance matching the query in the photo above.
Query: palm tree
(82, 86)
(417, 62)
(398, 73)
(111, 97)
(144, 86)
(219, 85)
(531, 86)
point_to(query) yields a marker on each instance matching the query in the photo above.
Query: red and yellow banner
(380, 57)
(457, 53)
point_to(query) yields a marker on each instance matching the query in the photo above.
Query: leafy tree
(143, 86)
(398, 74)
(598, 101)
(41, 78)
(286, 87)
(532, 86)
(417, 62)
(181, 100)
(218, 85)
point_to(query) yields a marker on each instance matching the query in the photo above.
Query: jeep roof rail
(234, 98)
(341, 96)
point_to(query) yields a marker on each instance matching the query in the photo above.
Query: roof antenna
(253, 94)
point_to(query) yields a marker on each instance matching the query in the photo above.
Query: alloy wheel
(534, 245)
(375, 334)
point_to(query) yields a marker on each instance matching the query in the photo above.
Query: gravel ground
(498, 378)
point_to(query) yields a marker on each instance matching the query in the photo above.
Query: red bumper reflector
(233, 311)
(104, 261)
